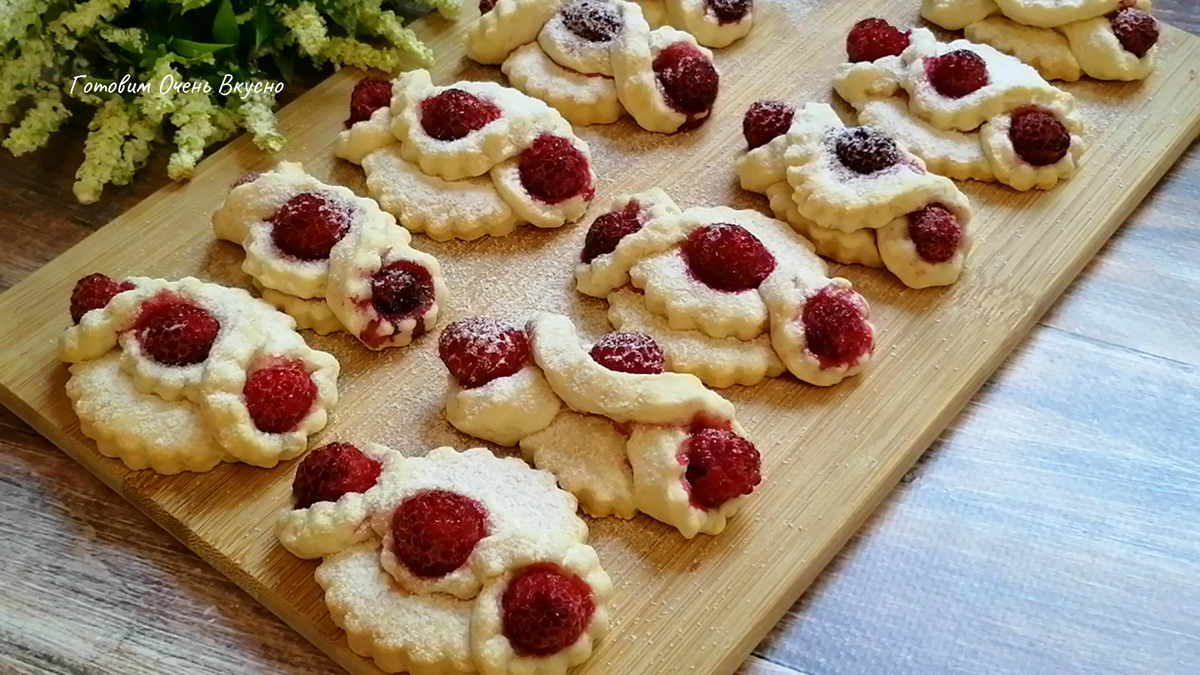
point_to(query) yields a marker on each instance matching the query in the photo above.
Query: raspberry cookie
(336, 488)
(1117, 46)
(721, 291)
(331, 259)
(182, 375)
(1104, 39)
(448, 562)
(541, 609)
(593, 60)
(617, 391)
(468, 160)
(715, 23)
(965, 104)
(856, 193)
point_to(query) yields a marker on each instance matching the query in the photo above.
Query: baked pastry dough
(852, 190)
(515, 500)
(839, 197)
(591, 388)
(471, 159)
(603, 485)
(1061, 39)
(640, 87)
(496, 652)
(417, 556)
(584, 52)
(1101, 54)
(950, 153)
(1011, 169)
(708, 321)
(144, 431)
(612, 390)
(602, 270)
(1009, 84)
(593, 60)
(520, 119)
(326, 527)
(379, 314)
(718, 362)
(661, 487)
(957, 14)
(181, 375)
(310, 313)
(715, 23)
(1046, 50)
(964, 137)
(507, 25)
(361, 274)
(504, 410)
(851, 248)
(582, 99)
(463, 209)
(1054, 13)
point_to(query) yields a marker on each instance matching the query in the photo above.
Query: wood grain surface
(1052, 529)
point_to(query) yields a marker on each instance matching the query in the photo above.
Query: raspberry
(728, 11)
(1038, 137)
(866, 150)
(1137, 30)
(553, 170)
(308, 226)
(369, 95)
(434, 532)
(935, 232)
(245, 178)
(331, 471)
(486, 6)
(956, 74)
(720, 466)
(592, 20)
(454, 113)
(279, 396)
(176, 333)
(872, 39)
(93, 292)
(545, 609)
(765, 120)
(480, 349)
(629, 353)
(688, 78)
(609, 229)
(402, 290)
(835, 326)
(727, 257)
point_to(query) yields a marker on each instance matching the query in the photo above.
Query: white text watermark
(127, 85)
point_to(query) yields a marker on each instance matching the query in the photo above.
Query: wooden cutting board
(829, 455)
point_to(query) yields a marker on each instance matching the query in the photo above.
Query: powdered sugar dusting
(592, 20)
(865, 150)
(629, 353)
(396, 397)
(481, 349)
(795, 10)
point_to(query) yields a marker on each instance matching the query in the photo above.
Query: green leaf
(189, 5)
(285, 64)
(155, 49)
(225, 27)
(264, 23)
(190, 50)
